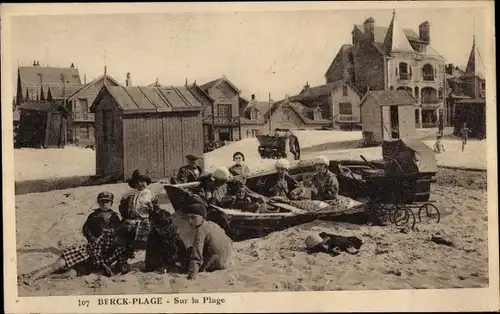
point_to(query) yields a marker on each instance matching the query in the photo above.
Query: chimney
(85, 79)
(253, 96)
(38, 63)
(424, 32)
(72, 65)
(449, 68)
(306, 86)
(34, 63)
(369, 28)
(128, 81)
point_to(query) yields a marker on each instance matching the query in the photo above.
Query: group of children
(112, 241)
(463, 134)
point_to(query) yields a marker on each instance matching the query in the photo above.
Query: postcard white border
(400, 300)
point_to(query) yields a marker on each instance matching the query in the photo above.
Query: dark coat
(186, 174)
(294, 144)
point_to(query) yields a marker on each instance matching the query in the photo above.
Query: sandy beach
(390, 258)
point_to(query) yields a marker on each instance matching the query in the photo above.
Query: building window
(344, 90)
(224, 111)
(286, 115)
(417, 116)
(417, 93)
(404, 72)
(84, 105)
(428, 72)
(317, 114)
(253, 114)
(85, 132)
(483, 85)
(440, 93)
(345, 108)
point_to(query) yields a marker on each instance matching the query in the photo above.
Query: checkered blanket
(75, 254)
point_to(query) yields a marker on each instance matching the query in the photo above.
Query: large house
(46, 83)
(467, 92)
(221, 113)
(80, 131)
(393, 58)
(260, 117)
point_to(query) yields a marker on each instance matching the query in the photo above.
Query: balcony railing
(404, 76)
(347, 118)
(428, 77)
(83, 116)
(221, 120)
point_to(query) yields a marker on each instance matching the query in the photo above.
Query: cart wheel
(403, 216)
(431, 212)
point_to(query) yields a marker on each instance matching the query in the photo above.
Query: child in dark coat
(105, 246)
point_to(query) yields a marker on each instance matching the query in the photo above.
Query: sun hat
(321, 160)
(137, 176)
(313, 240)
(282, 163)
(196, 209)
(221, 173)
(105, 196)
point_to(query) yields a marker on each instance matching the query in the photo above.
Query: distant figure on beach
(135, 207)
(239, 167)
(189, 173)
(106, 245)
(294, 145)
(212, 249)
(281, 184)
(464, 134)
(438, 146)
(324, 181)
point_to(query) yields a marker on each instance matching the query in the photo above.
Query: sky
(265, 52)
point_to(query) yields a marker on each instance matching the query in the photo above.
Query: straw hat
(221, 173)
(283, 164)
(313, 240)
(321, 160)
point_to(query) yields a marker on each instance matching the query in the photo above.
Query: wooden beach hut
(42, 124)
(150, 128)
(387, 115)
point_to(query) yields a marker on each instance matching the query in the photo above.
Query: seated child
(438, 146)
(165, 250)
(212, 248)
(240, 198)
(106, 245)
(306, 189)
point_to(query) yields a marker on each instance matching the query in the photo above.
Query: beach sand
(389, 258)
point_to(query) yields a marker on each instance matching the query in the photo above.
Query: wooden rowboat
(238, 223)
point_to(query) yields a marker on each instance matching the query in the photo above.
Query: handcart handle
(369, 163)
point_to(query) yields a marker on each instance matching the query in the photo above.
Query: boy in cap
(324, 181)
(212, 248)
(105, 246)
(281, 184)
(191, 172)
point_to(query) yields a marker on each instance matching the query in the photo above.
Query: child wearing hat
(136, 206)
(281, 184)
(212, 248)
(105, 246)
(324, 181)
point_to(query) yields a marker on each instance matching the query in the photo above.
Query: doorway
(225, 134)
(394, 122)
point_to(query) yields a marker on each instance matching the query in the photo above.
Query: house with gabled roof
(80, 130)
(221, 114)
(151, 128)
(394, 58)
(262, 117)
(46, 83)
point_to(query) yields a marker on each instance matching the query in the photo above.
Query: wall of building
(406, 119)
(369, 66)
(109, 150)
(225, 95)
(352, 97)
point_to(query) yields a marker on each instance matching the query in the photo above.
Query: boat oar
(367, 162)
